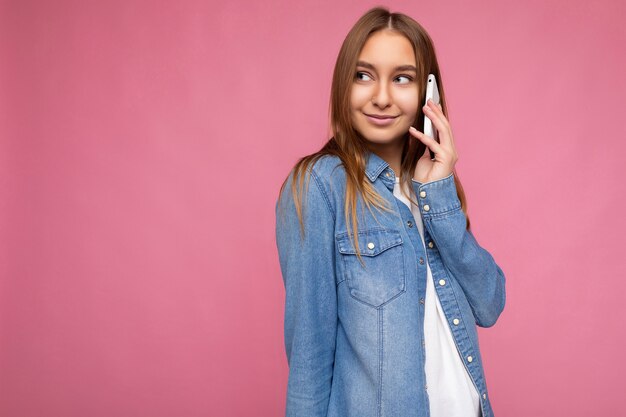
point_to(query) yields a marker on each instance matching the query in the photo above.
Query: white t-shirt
(451, 392)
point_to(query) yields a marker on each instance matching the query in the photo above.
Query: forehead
(387, 49)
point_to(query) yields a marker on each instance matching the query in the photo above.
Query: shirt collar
(375, 166)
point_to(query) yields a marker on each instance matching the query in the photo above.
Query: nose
(381, 96)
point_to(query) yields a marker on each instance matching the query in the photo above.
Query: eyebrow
(398, 68)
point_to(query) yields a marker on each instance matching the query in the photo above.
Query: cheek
(409, 104)
(359, 97)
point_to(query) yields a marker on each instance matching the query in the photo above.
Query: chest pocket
(381, 277)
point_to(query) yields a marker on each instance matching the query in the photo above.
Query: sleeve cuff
(437, 197)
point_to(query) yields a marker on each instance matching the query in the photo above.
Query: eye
(362, 76)
(406, 79)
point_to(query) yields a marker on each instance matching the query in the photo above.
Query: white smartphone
(432, 93)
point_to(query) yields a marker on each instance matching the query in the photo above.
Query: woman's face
(384, 97)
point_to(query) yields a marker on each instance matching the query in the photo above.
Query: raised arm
(474, 268)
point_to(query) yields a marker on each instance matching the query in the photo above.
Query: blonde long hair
(346, 143)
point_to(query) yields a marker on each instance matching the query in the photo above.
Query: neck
(390, 153)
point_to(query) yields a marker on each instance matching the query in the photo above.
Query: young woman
(385, 282)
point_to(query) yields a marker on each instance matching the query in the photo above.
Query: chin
(382, 138)
(380, 135)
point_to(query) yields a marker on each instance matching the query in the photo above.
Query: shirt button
(422, 194)
(442, 282)
(421, 301)
(370, 245)
(484, 396)
(430, 244)
(456, 322)
(409, 223)
(387, 174)
(421, 261)
(426, 207)
(469, 359)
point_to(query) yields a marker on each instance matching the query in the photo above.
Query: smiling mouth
(379, 116)
(380, 120)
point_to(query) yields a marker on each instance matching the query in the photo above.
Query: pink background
(142, 145)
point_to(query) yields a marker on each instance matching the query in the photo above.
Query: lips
(380, 116)
(379, 119)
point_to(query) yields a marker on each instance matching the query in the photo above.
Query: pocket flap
(371, 242)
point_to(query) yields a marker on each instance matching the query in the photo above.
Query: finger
(434, 105)
(431, 144)
(434, 113)
(426, 140)
(440, 122)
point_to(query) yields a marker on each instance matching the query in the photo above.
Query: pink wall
(142, 145)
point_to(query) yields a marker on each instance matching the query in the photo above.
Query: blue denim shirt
(354, 336)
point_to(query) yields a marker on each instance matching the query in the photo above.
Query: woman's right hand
(442, 165)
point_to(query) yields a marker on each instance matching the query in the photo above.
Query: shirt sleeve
(310, 323)
(474, 268)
